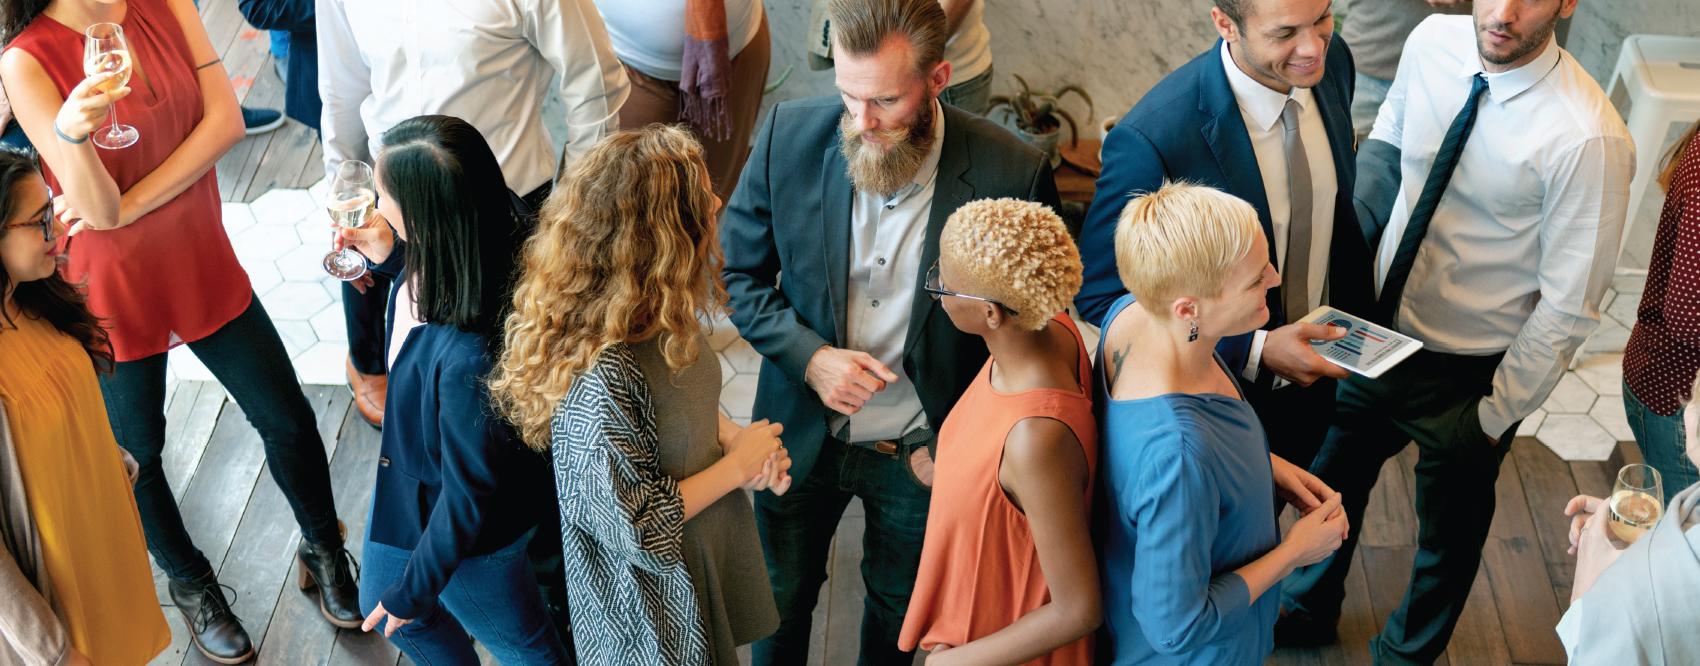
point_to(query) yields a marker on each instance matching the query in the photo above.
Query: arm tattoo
(1116, 358)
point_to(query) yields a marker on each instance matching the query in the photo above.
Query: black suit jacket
(790, 216)
(1189, 128)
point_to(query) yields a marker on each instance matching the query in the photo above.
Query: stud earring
(1192, 335)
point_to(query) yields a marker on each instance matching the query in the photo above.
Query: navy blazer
(1189, 128)
(301, 92)
(791, 214)
(454, 480)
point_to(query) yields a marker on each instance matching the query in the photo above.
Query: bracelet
(67, 137)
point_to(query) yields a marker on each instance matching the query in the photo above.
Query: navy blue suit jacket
(1189, 128)
(791, 215)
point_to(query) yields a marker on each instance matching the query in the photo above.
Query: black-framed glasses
(935, 289)
(45, 221)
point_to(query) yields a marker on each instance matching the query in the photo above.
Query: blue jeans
(13, 137)
(796, 533)
(1367, 97)
(492, 597)
(973, 95)
(1662, 442)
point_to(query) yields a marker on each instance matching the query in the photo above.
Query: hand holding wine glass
(87, 106)
(106, 51)
(1636, 503)
(351, 200)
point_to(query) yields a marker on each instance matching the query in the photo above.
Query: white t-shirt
(649, 35)
(969, 50)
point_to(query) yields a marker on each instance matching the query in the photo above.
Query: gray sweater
(1376, 31)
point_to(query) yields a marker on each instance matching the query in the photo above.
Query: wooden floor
(239, 519)
(289, 157)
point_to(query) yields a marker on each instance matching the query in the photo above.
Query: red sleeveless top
(170, 277)
(979, 567)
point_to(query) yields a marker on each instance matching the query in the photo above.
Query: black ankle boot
(214, 629)
(328, 568)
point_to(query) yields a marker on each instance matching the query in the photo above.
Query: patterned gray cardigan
(622, 524)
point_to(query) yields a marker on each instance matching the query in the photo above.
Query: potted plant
(1038, 117)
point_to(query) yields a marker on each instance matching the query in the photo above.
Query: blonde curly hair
(625, 251)
(1015, 252)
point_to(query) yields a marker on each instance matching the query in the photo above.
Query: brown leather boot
(369, 393)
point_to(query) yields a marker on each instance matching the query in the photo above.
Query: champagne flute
(105, 51)
(1636, 503)
(351, 199)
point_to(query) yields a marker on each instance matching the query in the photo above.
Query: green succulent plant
(1042, 112)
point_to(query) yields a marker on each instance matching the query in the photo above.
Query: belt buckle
(886, 447)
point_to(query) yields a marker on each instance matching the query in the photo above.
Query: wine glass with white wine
(350, 203)
(1636, 503)
(105, 51)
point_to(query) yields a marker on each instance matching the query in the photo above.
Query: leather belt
(894, 447)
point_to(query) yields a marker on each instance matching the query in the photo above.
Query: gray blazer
(791, 215)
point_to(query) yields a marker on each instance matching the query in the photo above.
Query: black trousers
(1430, 398)
(1295, 417)
(248, 358)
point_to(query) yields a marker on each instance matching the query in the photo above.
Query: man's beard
(886, 169)
(1523, 46)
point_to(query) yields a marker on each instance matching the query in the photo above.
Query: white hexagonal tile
(303, 264)
(319, 191)
(329, 325)
(1608, 412)
(263, 276)
(260, 243)
(738, 397)
(721, 334)
(237, 217)
(1603, 373)
(186, 367)
(1609, 338)
(1571, 396)
(1629, 284)
(322, 363)
(283, 207)
(296, 300)
(1622, 310)
(1532, 424)
(727, 372)
(297, 335)
(743, 357)
(315, 232)
(1576, 437)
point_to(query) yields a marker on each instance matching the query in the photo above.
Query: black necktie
(1445, 162)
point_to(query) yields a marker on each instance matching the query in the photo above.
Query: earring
(1192, 335)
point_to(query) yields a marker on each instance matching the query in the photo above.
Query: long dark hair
(50, 298)
(15, 15)
(463, 231)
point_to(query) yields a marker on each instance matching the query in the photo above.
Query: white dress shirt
(887, 237)
(1260, 108)
(649, 35)
(1524, 241)
(488, 62)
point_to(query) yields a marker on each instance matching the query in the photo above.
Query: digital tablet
(1368, 349)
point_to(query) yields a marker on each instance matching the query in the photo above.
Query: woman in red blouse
(1664, 350)
(149, 245)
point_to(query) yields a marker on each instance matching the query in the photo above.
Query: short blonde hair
(1180, 241)
(1015, 252)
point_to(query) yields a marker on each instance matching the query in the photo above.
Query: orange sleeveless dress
(171, 276)
(979, 567)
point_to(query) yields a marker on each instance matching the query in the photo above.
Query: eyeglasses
(45, 222)
(935, 289)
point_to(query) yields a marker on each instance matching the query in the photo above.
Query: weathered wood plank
(188, 425)
(1516, 570)
(1547, 486)
(1390, 518)
(352, 472)
(1478, 639)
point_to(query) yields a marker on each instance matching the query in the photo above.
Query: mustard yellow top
(79, 496)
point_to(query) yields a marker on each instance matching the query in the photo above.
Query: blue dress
(1186, 497)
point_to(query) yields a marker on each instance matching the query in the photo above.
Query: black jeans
(796, 533)
(1430, 398)
(248, 358)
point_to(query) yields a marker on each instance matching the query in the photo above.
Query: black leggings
(248, 358)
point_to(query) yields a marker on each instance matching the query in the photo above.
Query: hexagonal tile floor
(280, 239)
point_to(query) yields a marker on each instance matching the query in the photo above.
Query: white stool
(1656, 88)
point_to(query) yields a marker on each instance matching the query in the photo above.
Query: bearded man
(845, 198)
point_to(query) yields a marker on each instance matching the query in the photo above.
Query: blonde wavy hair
(1015, 252)
(1181, 241)
(625, 251)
